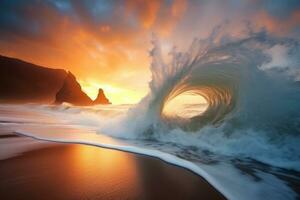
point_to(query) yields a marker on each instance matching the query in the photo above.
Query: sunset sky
(106, 43)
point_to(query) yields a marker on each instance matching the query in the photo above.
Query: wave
(250, 82)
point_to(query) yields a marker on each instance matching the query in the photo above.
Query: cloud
(281, 8)
(287, 26)
(145, 12)
(108, 41)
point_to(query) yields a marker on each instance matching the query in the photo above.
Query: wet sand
(73, 171)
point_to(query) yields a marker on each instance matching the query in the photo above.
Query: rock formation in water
(101, 98)
(23, 82)
(71, 92)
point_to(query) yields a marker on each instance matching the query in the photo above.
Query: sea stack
(71, 93)
(101, 98)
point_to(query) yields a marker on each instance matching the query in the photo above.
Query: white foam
(11, 147)
(223, 177)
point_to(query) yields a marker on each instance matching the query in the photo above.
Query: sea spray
(250, 95)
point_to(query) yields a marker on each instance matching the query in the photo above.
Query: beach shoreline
(99, 173)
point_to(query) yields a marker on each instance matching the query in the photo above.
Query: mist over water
(246, 133)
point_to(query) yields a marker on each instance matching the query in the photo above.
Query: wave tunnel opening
(186, 105)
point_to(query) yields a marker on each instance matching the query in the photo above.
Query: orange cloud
(157, 15)
(146, 11)
(277, 25)
(111, 51)
(170, 17)
(105, 28)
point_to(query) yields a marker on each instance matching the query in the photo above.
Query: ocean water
(245, 140)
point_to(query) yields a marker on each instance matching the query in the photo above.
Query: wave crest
(253, 98)
(228, 72)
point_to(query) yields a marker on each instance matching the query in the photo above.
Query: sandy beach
(73, 171)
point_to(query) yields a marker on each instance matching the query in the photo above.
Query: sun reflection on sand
(113, 168)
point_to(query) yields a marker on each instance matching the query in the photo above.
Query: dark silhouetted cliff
(101, 98)
(71, 93)
(23, 82)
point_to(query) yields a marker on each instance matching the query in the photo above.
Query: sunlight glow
(185, 106)
(116, 95)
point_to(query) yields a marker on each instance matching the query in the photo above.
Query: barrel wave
(250, 82)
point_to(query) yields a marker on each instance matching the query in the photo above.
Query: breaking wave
(250, 82)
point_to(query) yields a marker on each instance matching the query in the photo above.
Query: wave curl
(230, 73)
